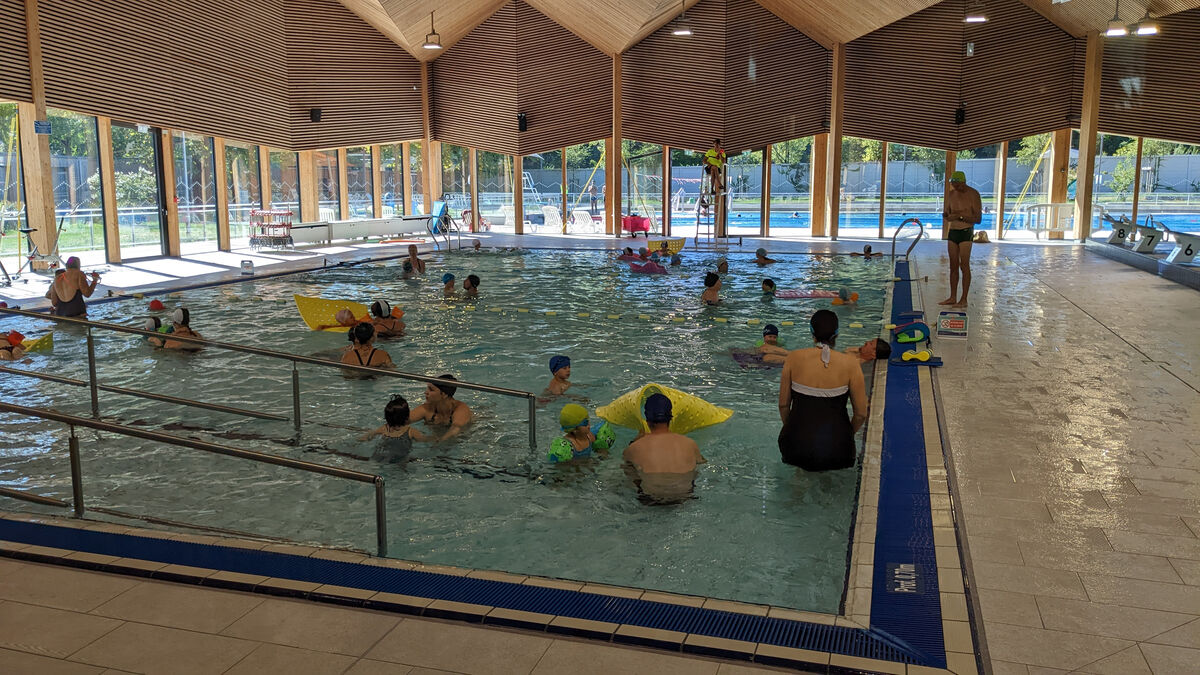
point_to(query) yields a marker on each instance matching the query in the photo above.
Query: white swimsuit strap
(824, 353)
(818, 392)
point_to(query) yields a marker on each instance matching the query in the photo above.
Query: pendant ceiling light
(432, 39)
(1115, 27)
(975, 12)
(682, 27)
(1146, 26)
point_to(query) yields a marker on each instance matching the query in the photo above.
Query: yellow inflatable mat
(42, 344)
(689, 412)
(319, 313)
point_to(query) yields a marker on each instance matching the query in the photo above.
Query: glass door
(137, 175)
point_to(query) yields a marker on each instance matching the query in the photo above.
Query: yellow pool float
(42, 344)
(689, 412)
(319, 313)
(674, 244)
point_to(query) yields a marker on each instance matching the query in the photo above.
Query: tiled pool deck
(1072, 432)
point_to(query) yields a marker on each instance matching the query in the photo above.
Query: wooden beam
(264, 175)
(343, 185)
(563, 188)
(612, 157)
(1001, 182)
(35, 148)
(951, 167)
(666, 198)
(765, 200)
(1060, 161)
(108, 190)
(434, 155)
(1137, 180)
(816, 198)
(222, 187)
(833, 151)
(427, 195)
(307, 167)
(883, 187)
(376, 182)
(170, 199)
(406, 175)
(518, 194)
(473, 159)
(1089, 114)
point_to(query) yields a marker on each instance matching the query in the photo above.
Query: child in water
(471, 286)
(386, 320)
(760, 257)
(10, 346)
(397, 435)
(579, 440)
(768, 287)
(560, 370)
(448, 284)
(181, 325)
(712, 289)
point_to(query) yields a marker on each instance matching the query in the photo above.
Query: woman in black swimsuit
(442, 409)
(362, 351)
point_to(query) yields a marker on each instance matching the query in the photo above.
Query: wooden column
(170, 199)
(883, 187)
(833, 152)
(612, 158)
(666, 199)
(427, 196)
(563, 189)
(108, 190)
(1001, 182)
(1137, 182)
(951, 164)
(816, 200)
(222, 187)
(473, 160)
(433, 162)
(35, 148)
(376, 182)
(765, 205)
(307, 167)
(343, 185)
(518, 194)
(406, 175)
(1090, 111)
(264, 175)
(1060, 161)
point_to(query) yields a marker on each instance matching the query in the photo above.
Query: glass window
(980, 166)
(585, 187)
(1115, 176)
(496, 207)
(195, 191)
(1170, 188)
(285, 182)
(858, 205)
(687, 180)
(542, 183)
(135, 172)
(75, 174)
(360, 188)
(744, 176)
(641, 182)
(1028, 181)
(456, 179)
(791, 185)
(417, 170)
(391, 177)
(12, 190)
(241, 166)
(329, 202)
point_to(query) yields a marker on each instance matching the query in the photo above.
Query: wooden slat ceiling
(831, 21)
(1077, 17)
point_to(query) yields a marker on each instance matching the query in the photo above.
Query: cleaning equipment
(320, 314)
(42, 344)
(690, 412)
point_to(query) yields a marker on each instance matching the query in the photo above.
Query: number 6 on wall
(1186, 247)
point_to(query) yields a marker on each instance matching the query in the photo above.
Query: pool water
(757, 530)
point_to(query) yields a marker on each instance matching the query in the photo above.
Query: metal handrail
(294, 358)
(915, 241)
(73, 421)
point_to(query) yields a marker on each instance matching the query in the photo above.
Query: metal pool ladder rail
(296, 359)
(73, 421)
(912, 245)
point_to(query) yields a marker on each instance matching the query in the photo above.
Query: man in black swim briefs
(962, 213)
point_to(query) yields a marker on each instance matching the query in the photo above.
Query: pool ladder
(914, 243)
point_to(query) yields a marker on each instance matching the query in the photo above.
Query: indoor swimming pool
(757, 530)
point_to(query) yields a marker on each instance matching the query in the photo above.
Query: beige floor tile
(1128, 661)
(46, 631)
(740, 669)
(1053, 649)
(8, 566)
(309, 625)
(999, 507)
(1130, 623)
(62, 587)
(278, 659)
(1188, 570)
(1035, 580)
(1006, 607)
(1187, 635)
(1167, 660)
(1008, 668)
(19, 662)
(566, 656)
(467, 649)
(206, 610)
(997, 549)
(140, 648)
(1146, 594)
(1153, 504)
(1112, 519)
(1112, 563)
(369, 667)
(1187, 547)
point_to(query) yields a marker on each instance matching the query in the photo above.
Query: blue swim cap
(558, 362)
(760, 252)
(675, 259)
(643, 249)
(657, 409)
(447, 278)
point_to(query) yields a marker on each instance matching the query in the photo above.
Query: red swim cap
(3, 304)
(156, 306)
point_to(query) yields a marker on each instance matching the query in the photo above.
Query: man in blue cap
(962, 213)
(665, 461)
(560, 368)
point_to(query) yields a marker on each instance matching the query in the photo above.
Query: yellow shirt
(715, 157)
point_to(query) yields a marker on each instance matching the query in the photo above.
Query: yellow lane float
(689, 412)
(320, 313)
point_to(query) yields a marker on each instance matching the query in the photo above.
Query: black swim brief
(961, 235)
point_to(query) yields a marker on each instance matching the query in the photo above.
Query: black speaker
(522, 125)
(960, 115)
(314, 114)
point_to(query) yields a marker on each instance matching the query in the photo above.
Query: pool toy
(627, 257)
(674, 244)
(42, 344)
(157, 306)
(915, 331)
(561, 449)
(802, 293)
(648, 268)
(318, 313)
(912, 354)
(750, 359)
(690, 412)
(845, 297)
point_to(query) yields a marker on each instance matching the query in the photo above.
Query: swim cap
(657, 409)
(381, 308)
(181, 316)
(14, 338)
(572, 415)
(447, 278)
(558, 362)
(362, 333)
(72, 263)
(156, 306)
(769, 283)
(711, 279)
(867, 249)
(824, 325)
(446, 389)
(844, 293)
(770, 329)
(675, 259)
(760, 252)
(152, 324)
(344, 317)
(643, 250)
(958, 177)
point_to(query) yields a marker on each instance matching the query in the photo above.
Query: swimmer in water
(397, 434)
(181, 325)
(579, 440)
(417, 263)
(663, 462)
(362, 351)
(712, 289)
(760, 257)
(475, 247)
(771, 350)
(442, 409)
(10, 346)
(560, 370)
(866, 253)
(448, 284)
(386, 320)
(768, 287)
(471, 286)
(407, 271)
(676, 260)
(343, 317)
(723, 266)
(155, 324)
(871, 350)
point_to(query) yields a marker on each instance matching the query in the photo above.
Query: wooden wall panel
(776, 79)
(902, 81)
(366, 86)
(672, 88)
(562, 88)
(14, 55)
(1019, 81)
(475, 87)
(1150, 85)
